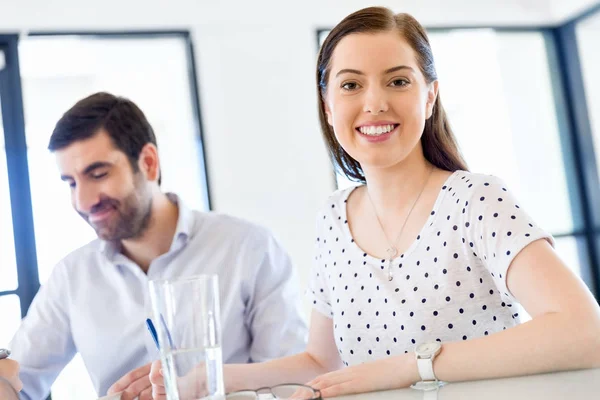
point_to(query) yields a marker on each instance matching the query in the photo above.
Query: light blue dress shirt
(96, 302)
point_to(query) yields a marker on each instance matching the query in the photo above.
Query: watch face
(428, 348)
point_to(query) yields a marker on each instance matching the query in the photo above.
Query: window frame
(16, 148)
(18, 175)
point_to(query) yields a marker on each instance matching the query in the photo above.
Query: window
(502, 112)
(11, 317)
(8, 272)
(9, 303)
(153, 70)
(588, 32)
(10, 308)
(56, 71)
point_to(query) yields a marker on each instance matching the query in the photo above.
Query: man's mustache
(103, 204)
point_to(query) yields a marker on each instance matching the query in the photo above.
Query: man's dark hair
(124, 122)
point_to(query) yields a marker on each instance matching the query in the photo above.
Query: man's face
(105, 191)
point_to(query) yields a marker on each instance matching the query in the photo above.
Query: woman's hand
(385, 374)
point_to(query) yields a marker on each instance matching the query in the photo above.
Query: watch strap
(425, 366)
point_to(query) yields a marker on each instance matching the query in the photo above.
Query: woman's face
(377, 99)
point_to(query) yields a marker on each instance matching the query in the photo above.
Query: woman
(424, 253)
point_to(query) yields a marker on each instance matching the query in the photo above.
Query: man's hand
(9, 370)
(190, 386)
(158, 382)
(134, 384)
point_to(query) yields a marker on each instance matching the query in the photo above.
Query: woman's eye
(349, 86)
(399, 82)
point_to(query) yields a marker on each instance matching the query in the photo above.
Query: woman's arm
(564, 334)
(320, 357)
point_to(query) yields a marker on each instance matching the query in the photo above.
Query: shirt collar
(183, 230)
(185, 221)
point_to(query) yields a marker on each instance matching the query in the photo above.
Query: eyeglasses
(279, 392)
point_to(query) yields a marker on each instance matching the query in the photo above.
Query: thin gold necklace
(392, 251)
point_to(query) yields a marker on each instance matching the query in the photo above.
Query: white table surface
(572, 385)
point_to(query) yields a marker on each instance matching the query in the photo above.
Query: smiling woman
(419, 270)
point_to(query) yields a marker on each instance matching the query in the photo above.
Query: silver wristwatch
(426, 353)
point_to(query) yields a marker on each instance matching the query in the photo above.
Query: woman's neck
(393, 190)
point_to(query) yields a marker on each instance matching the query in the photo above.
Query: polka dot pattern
(449, 285)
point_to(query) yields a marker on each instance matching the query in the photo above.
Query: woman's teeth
(376, 130)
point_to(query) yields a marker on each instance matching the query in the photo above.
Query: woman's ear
(432, 93)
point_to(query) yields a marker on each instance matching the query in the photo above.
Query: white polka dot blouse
(450, 284)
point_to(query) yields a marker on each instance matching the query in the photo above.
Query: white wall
(255, 65)
(566, 9)
(266, 158)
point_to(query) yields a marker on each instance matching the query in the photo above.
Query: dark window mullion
(18, 173)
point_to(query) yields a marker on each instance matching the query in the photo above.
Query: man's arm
(7, 391)
(9, 373)
(273, 313)
(43, 345)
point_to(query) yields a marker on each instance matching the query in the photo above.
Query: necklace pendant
(392, 253)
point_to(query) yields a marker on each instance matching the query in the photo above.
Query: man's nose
(84, 198)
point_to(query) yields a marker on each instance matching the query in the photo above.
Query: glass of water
(188, 324)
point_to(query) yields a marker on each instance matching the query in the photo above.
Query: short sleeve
(318, 289)
(500, 229)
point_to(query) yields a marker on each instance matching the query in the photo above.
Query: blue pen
(169, 338)
(150, 326)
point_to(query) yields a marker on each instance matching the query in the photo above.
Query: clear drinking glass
(187, 321)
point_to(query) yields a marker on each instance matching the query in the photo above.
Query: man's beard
(131, 215)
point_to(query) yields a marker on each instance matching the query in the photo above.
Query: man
(9, 380)
(96, 300)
